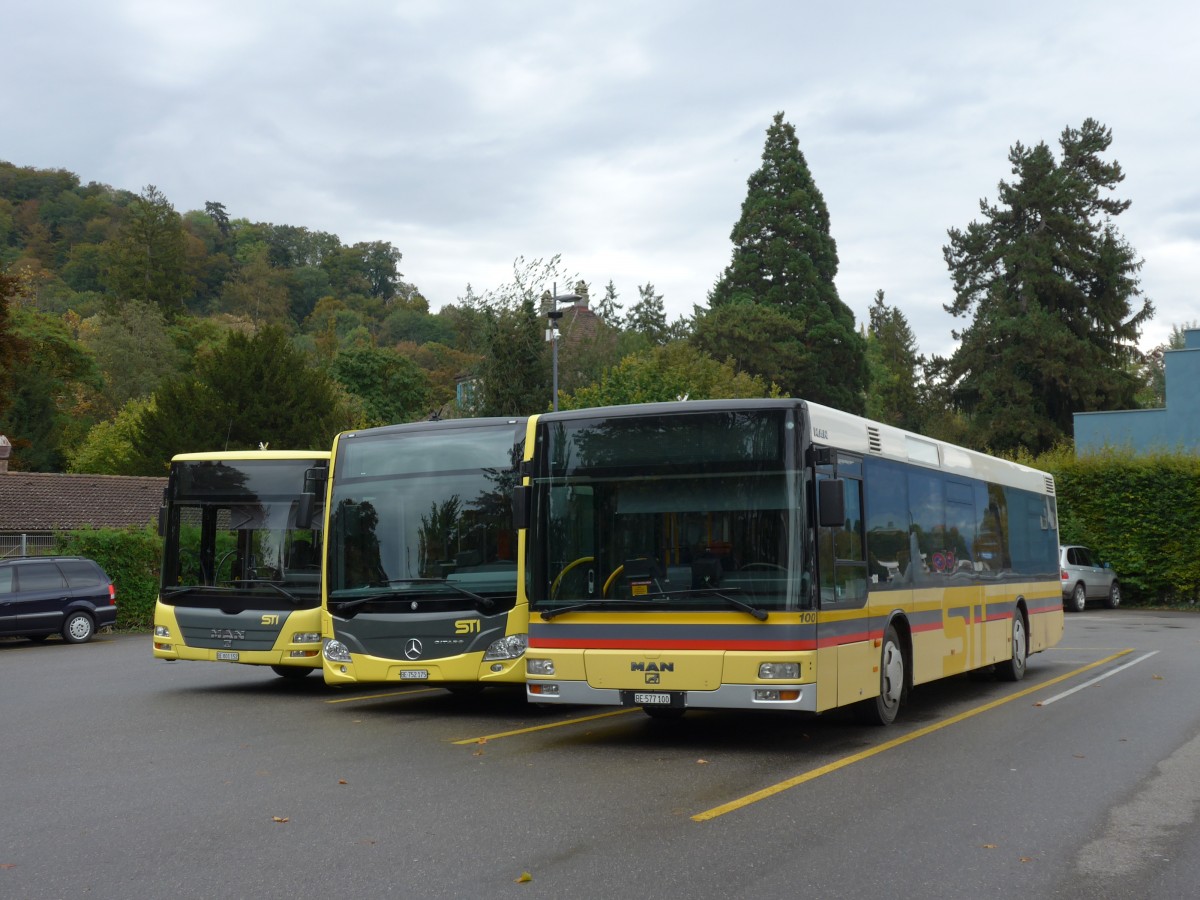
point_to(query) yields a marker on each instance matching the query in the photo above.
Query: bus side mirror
(304, 510)
(831, 503)
(162, 521)
(520, 506)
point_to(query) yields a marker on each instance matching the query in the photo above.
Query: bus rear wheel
(1013, 669)
(882, 710)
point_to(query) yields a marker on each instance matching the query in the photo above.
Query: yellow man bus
(422, 555)
(776, 554)
(241, 572)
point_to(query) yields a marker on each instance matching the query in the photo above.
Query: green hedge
(132, 559)
(1141, 514)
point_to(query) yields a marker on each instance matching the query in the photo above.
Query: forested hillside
(116, 350)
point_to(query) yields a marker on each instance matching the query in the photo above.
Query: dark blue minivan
(45, 595)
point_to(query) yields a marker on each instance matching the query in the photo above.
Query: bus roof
(241, 455)
(840, 430)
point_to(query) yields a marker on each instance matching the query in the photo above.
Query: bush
(1139, 513)
(132, 559)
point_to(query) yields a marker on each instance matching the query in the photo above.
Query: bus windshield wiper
(760, 614)
(296, 601)
(548, 614)
(485, 604)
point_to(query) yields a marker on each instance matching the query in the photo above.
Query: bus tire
(292, 673)
(664, 713)
(1013, 668)
(882, 710)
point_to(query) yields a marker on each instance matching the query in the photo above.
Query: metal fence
(27, 545)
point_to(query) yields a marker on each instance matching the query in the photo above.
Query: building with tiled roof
(43, 503)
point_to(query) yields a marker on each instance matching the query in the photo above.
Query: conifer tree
(1053, 290)
(785, 261)
(608, 308)
(894, 395)
(254, 389)
(147, 260)
(648, 316)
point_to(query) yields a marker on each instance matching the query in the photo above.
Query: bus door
(844, 631)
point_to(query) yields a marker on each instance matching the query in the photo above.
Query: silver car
(1084, 579)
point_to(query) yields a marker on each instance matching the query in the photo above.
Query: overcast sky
(619, 134)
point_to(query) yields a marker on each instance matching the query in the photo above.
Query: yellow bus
(422, 556)
(776, 554)
(241, 572)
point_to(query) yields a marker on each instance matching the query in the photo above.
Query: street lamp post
(553, 313)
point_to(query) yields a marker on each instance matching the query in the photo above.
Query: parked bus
(776, 554)
(241, 572)
(422, 556)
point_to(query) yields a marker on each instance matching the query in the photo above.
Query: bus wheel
(664, 713)
(1014, 669)
(292, 673)
(882, 710)
(1078, 600)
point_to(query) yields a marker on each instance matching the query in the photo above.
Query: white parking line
(1098, 678)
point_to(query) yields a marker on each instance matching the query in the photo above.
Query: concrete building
(1175, 427)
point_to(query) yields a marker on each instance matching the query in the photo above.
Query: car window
(1085, 557)
(80, 573)
(6, 580)
(40, 576)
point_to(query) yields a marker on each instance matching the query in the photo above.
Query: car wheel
(1078, 599)
(882, 710)
(1114, 596)
(292, 673)
(1013, 669)
(78, 629)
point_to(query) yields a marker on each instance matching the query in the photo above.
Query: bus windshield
(232, 529)
(692, 510)
(427, 515)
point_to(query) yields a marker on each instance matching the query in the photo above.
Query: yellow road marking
(812, 774)
(385, 696)
(532, 728)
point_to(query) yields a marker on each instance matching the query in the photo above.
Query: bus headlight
(510, 647)
(162, 631)
(776, 670)
(306, 637)
(336, 651)
(539, 666)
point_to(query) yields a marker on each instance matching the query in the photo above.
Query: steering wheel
(567, 568)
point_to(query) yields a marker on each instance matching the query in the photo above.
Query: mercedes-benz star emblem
(412, 649)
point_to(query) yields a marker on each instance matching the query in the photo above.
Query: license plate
(227, 655)
(652, 699)
(414, 674)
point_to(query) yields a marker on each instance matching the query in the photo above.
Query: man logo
(412, 649)
(652, 678)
